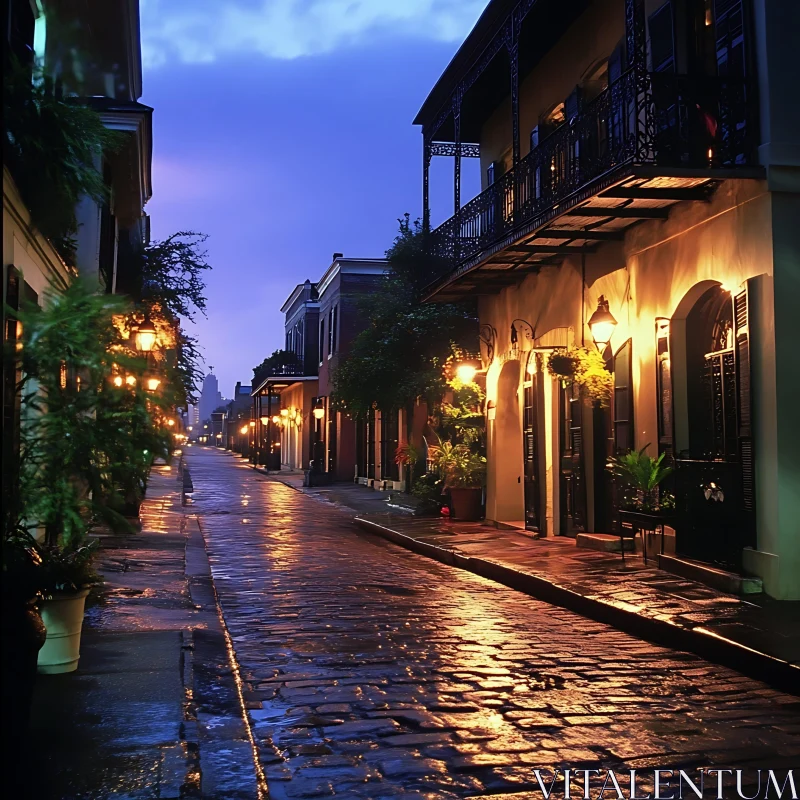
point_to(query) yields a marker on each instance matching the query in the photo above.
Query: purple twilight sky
(282, 129)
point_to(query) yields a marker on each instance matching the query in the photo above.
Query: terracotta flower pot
(63, 617)
(466, 503)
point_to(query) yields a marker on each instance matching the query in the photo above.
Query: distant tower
(210, 397)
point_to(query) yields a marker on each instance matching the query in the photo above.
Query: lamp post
(602, 325)
(319, 446)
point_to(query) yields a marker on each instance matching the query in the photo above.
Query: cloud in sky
(201, 31)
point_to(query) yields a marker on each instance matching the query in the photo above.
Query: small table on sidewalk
(644, 522)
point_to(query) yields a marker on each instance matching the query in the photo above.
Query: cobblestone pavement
(371, 672)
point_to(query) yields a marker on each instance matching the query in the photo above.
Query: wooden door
(530, 440)
(573, 485)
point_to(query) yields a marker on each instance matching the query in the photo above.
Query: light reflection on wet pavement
(373, 672)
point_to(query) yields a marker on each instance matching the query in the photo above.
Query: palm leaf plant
(642, 475)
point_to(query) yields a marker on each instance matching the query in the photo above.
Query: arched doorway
(714, 479)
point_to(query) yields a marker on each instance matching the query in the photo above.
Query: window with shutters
(333, 325)
(623, 399)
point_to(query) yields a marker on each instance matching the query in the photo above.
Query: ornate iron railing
(642, 118)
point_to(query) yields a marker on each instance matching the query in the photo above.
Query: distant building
(210, 398)
(340, 320)
(287, 393)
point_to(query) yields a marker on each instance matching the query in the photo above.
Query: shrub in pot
(464, 473)
(67, 576)
(641, 475)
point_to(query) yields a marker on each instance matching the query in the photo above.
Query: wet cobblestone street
(372, 672)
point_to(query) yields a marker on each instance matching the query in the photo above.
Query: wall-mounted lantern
(319, 409)
(602, 325)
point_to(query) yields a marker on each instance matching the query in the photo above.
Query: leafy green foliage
(52, 145)
(460, 466)
(429, 491)
(401, 353)
(166, 280)
(172, 275)
(643, 474)
(82, 439)
(586, 368)
(68, 569)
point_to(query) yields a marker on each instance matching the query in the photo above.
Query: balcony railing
(658, 119)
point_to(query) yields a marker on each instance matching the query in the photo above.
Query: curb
(776, 672)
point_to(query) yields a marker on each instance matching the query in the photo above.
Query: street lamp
(319, 410)
(244, 429)
(264, 421)
(467, 369)
(602, 325)
(146, 336)
(153, 384)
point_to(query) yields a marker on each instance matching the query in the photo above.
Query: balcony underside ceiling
(579, 228)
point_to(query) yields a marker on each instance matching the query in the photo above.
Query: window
(662, 45)
(332, 330)
(321, 338)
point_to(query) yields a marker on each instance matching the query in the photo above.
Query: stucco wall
(653, 274)
(25, 248)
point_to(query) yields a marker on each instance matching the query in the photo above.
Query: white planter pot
(63, 618)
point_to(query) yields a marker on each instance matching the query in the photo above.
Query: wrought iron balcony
(684, 125)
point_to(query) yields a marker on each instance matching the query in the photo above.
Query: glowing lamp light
(465, 373)
(146, 336)
(264, 420)
(602, 324)
(292, 413)
(191, 427)
(171, 422)
(153, 384)
(284, 412)
(243, 430)
(130, 380)
(118, 380)
(319, 411)
(532, 367)
(275, 419)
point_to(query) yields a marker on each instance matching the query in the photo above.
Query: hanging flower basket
(587, 369)
(562, 365)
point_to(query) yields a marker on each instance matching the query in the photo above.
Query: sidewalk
(153, 710)
(753, 634)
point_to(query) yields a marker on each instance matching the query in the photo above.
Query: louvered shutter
(623, 399)
(744, 397)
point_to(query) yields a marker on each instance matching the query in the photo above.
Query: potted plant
(644, 505)
(67, 576)
(464, 474)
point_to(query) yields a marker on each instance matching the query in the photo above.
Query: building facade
(641, 154)
(341, 290)
(93, 50)
(283, 402)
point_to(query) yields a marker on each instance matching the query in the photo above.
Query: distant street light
(146, 336)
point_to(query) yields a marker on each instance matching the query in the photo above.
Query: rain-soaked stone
(420, 680)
